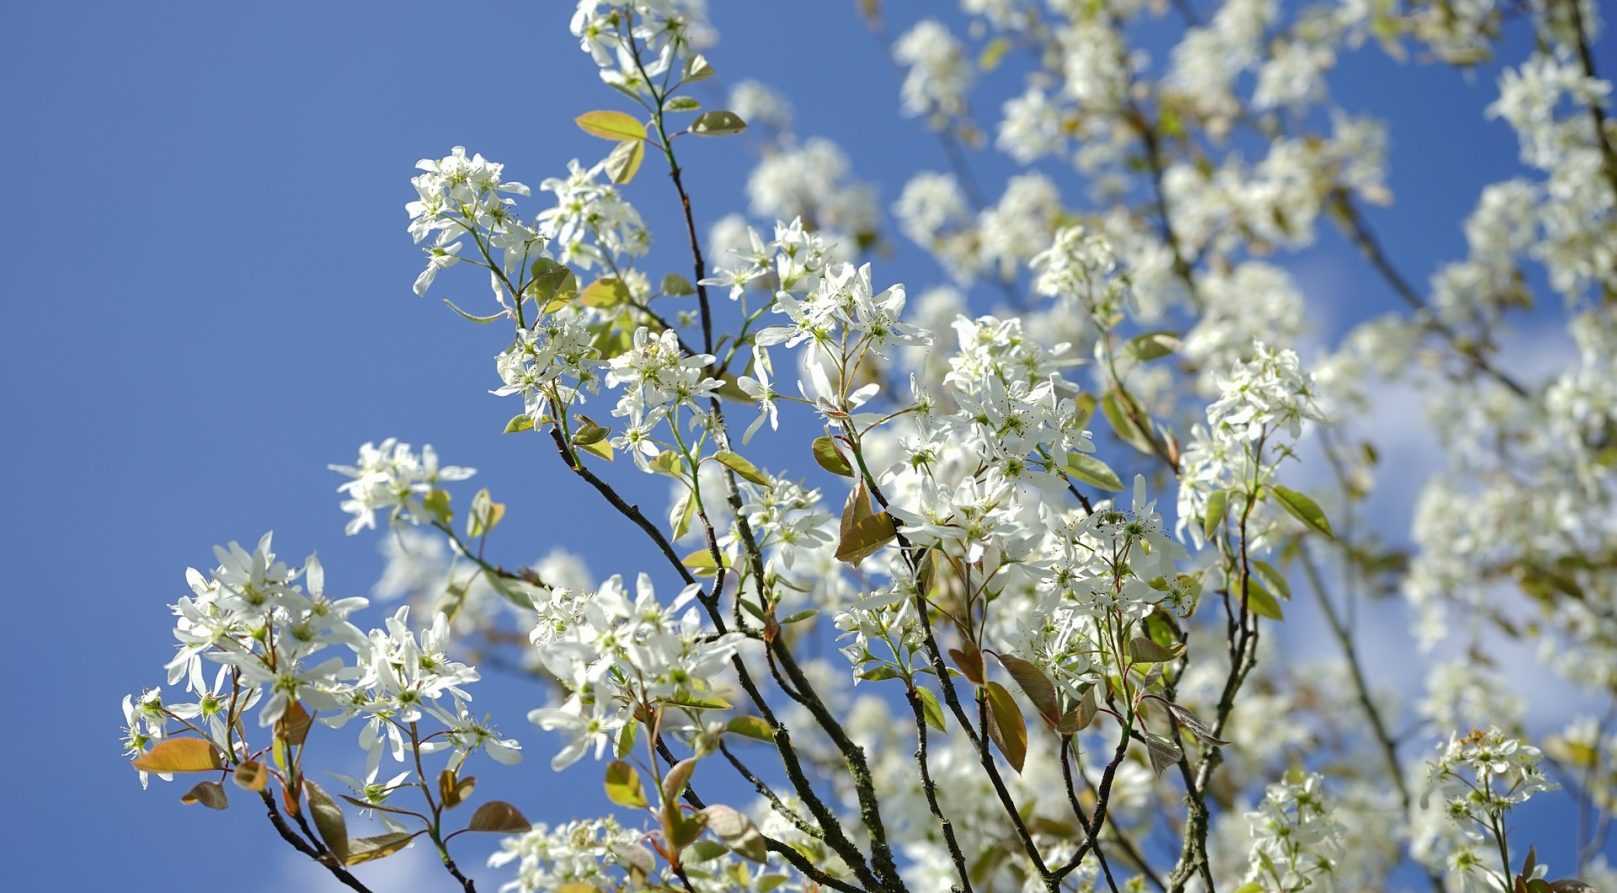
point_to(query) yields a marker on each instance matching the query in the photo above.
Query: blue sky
(208, 299)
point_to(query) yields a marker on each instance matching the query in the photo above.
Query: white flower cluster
(456, 195)
(1261, 406)
(616, 654)
(394, 478)
(637, 42)
(939, 73)
(284, 646)
(1296, 840)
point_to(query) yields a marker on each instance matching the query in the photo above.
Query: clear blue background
(207, 299)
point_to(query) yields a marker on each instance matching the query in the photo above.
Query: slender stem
(931, 790)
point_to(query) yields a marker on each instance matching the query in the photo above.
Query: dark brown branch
(302, 846)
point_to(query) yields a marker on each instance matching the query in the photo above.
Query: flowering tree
(1055, 545)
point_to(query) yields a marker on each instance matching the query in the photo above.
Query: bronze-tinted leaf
(498, 815)
(369, 849)
(208, 793)
(328, 820)
(1146, 651)
(1009, 729)
(252, 775)
(293, 726)
(1035, 684)
(970, 661)
(453, 790)
(179, 755)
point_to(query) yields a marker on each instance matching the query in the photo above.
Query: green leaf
(552, 284)
(931, 709)
(741, 466)
(1092, 471)
(1261, 603)
(707, 701)
(1163, 752)
(1213, 515)
(878, 673)
(623, 786)
(676, 285)
(609, 125)
(604, 293)
(180, 755)
(993, 53)
(328, 820)
(701, 563)
(1009, 729)
(682, 104)
(1112, 406)
(589, 433)
(1147, 651)
(485, 514)
(437, 504)
(1086, 404)
(511, 591)
(369, 849)
(718, 123)
(754, 727)
(698, 69)
(208, 793)
(624, 162)
(1275, 578)
(679, 775)
(600, 448)
(1152, 345)
(830, 458)
(498, 815)
(1301, 507)
(472, 317)
(736, 830)
(519, 423)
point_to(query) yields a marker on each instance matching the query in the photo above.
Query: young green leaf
(736, 463)
(718, 123)
(609, 125)
(830, 458)
(931, 710)
(1213, 514)
(604, 293)
(623, 785)
(624, 162)
(1092, 471)
(1303, 508)
(752, 727)
(1261, 603)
